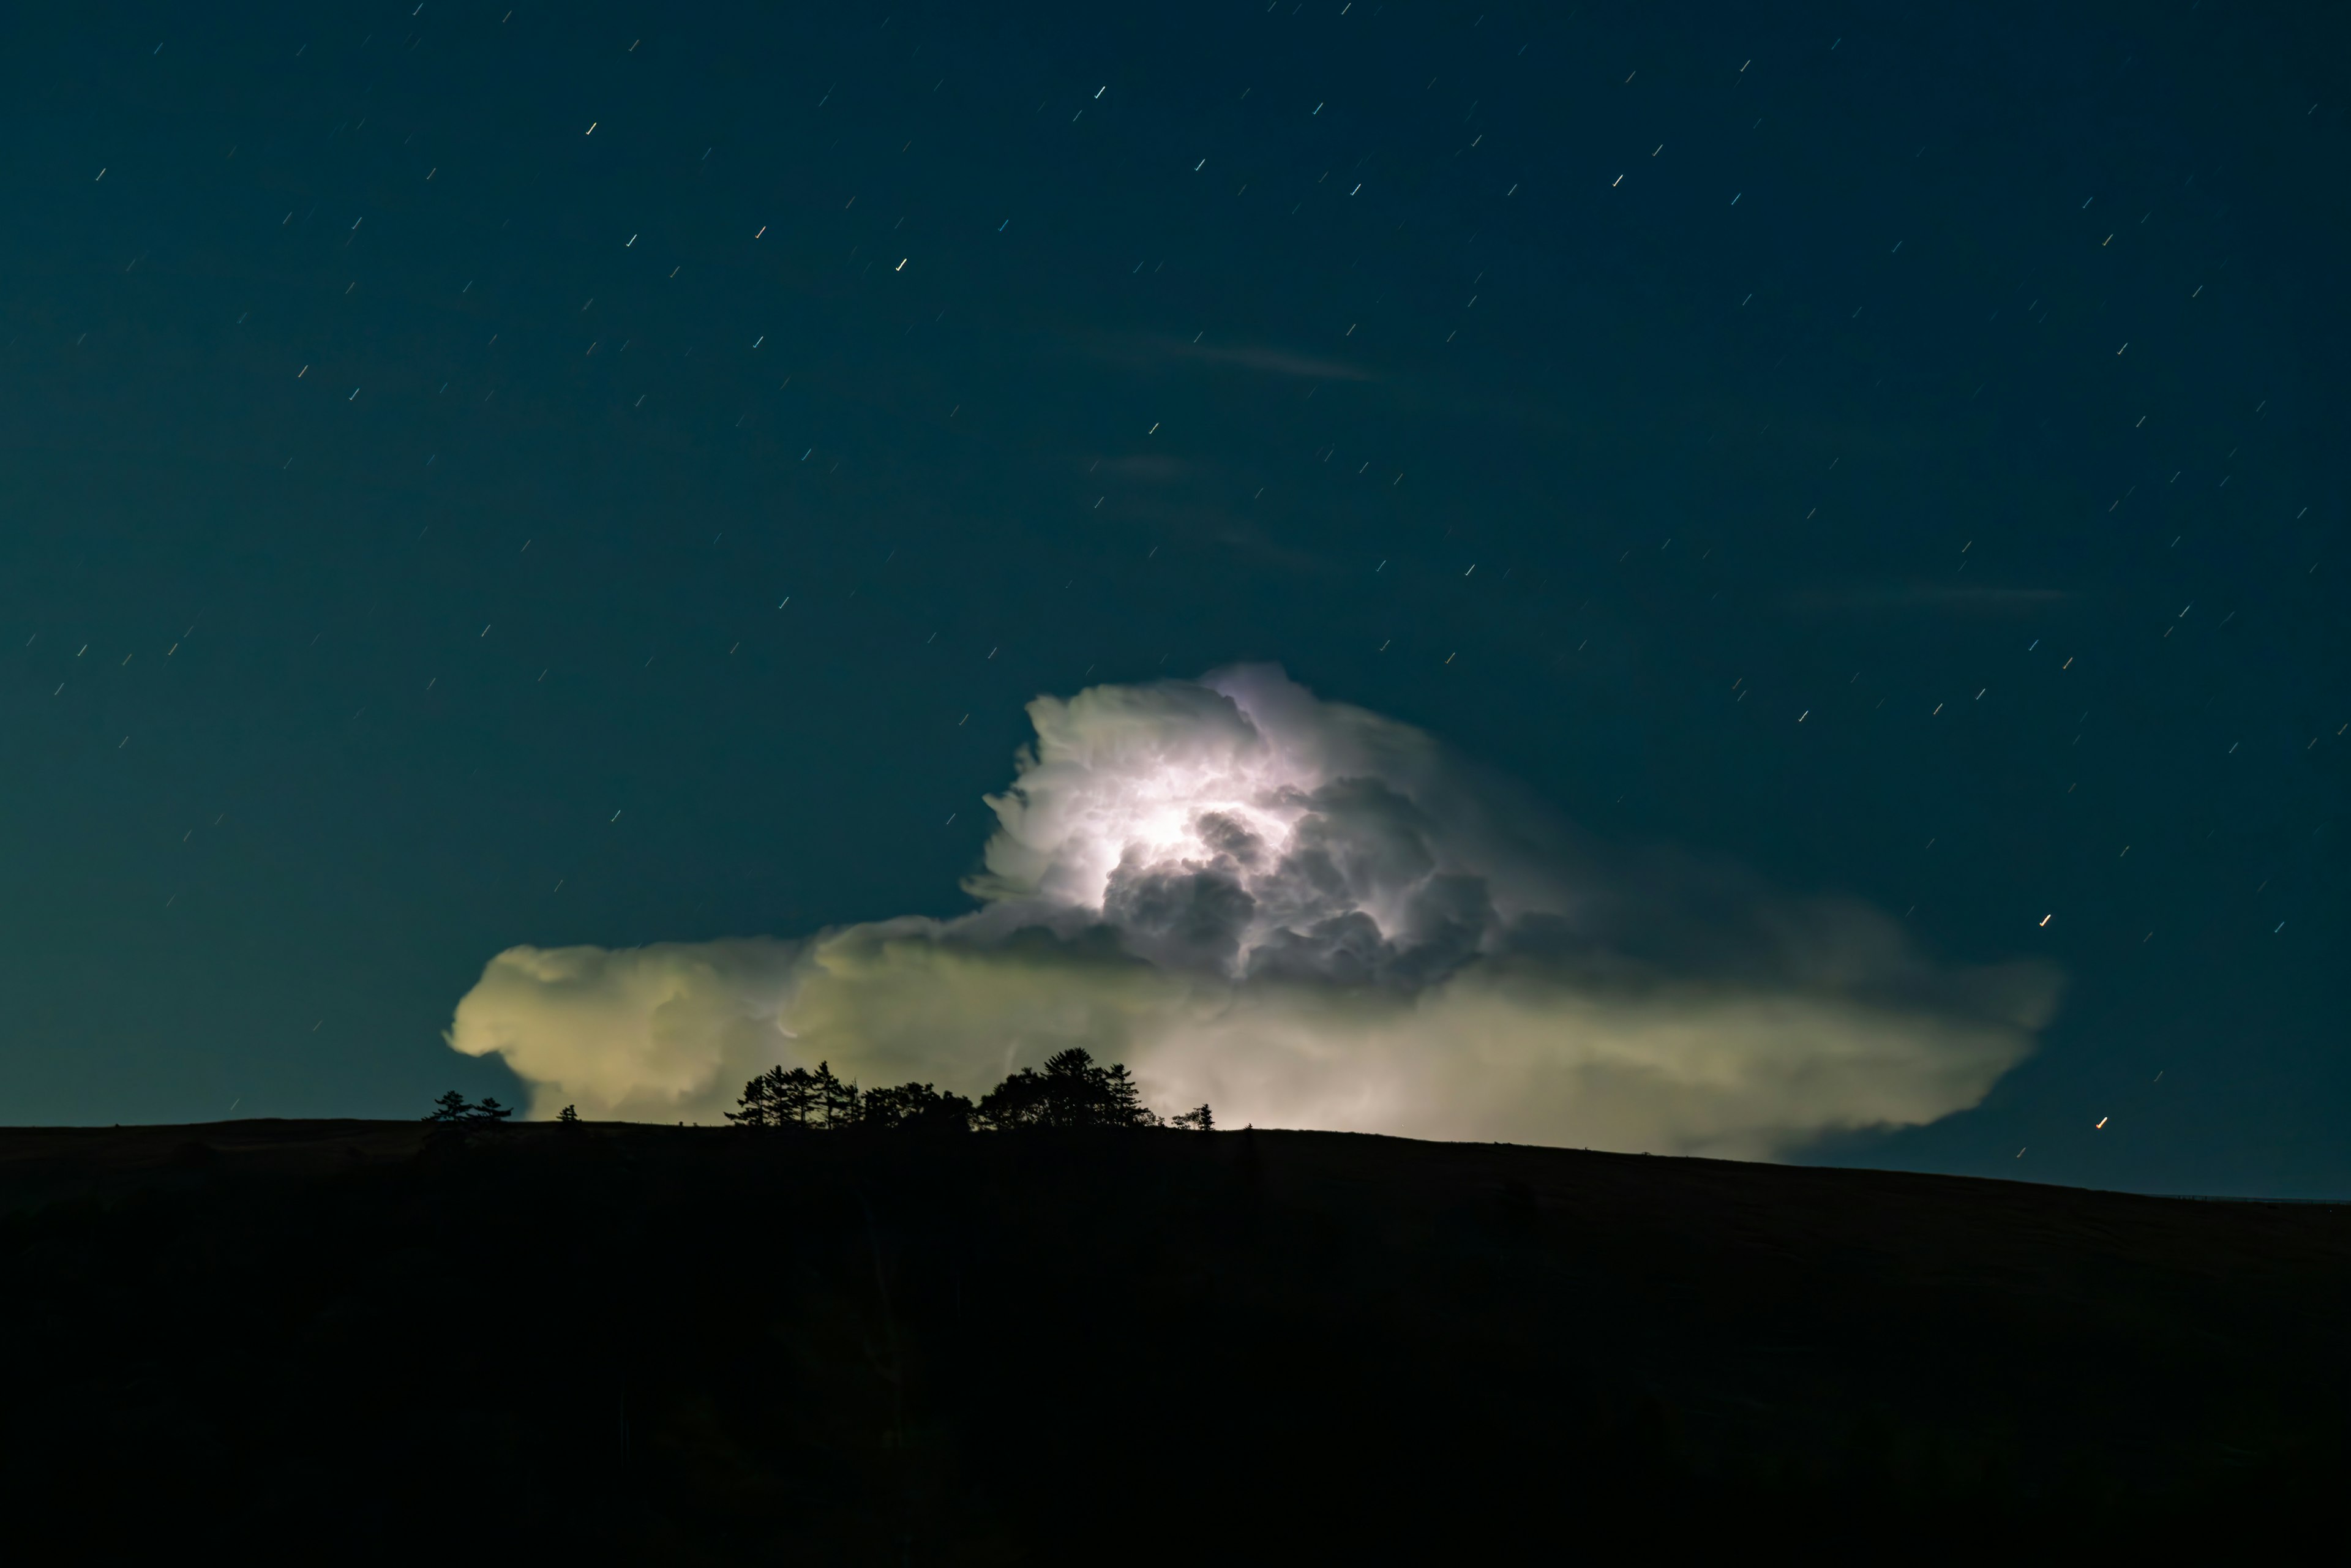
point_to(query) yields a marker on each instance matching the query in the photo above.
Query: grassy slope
(705, 1343)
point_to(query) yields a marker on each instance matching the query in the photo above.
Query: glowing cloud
(1307, 915)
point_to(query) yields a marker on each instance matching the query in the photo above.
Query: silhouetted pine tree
(452, 1108)
(796, 1094)
(567, 1115)
(453, 1116)
(795, 1097)
(836, 1101)
(757, 1107)
(1122, 1103)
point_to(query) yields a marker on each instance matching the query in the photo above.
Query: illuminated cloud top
(1236, 826)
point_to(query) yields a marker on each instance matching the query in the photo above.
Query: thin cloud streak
(1271, 360)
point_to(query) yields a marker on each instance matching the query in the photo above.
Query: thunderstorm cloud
(1307, 915)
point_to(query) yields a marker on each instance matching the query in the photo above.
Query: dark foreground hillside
(719, 1345)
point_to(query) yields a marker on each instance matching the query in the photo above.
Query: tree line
(1071, 1091)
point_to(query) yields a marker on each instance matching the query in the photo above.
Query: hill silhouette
(709, 1344)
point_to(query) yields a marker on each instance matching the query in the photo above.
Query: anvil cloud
(1307, 915)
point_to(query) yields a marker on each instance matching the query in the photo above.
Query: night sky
(600, 474)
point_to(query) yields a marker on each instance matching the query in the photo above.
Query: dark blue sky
(1908, 462)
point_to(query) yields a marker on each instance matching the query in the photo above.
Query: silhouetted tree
(567, 1115)
(1197, 1120)
(795, 1094)
(1072, 1091)
(1020, 1102)
(452, 1108)
(836, 1101)
(453, 1114)
(1121, 1102)
(914, 1107)
(795, 1097)
(757, 1107)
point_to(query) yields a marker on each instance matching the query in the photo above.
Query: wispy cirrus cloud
(1270, 359)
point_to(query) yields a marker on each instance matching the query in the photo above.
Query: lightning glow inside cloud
(1307, 915)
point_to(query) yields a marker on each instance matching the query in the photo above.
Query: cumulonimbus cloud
(1304, 914)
